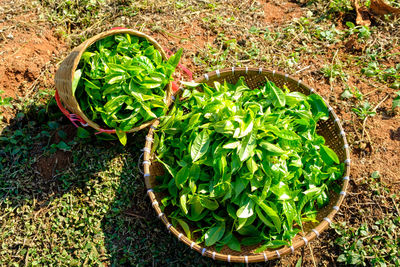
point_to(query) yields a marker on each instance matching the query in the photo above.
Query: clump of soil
(282, 12)
(49, 165)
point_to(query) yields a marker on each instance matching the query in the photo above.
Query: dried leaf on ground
(379, 7)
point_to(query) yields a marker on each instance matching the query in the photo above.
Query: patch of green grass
(5, 102)
(370, 244)
(389, 75)
(334, 72)
(375, 242)
(340, 6)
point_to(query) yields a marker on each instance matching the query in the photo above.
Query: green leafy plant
(364, 110)
(334, 72)
(330, 35)
(120, 82)
(340, 5)
(374, 244)
(244, 166)
(4, 102)
(363, 32)
(390, 75)
(375, 241)
(355, 92)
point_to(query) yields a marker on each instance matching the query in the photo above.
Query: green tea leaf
(264, 219)
(290, 212)
(251, 165)
(183, 201)
(247, 146)
(115, 103)
(121, 136)
(246, 210)
(277, 95)
(185, 227)
(214, 234)
(234, 244)
(75, 81)
(190, 84)
(328, 155)
(182, 176)
(232, 145)
(174, 60)
(272, 214)
(273, 149)
(200, 145)
(318, 106)
(209, 203)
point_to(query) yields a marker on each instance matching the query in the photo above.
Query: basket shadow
(35, 155)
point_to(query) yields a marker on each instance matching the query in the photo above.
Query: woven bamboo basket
(65, 73)
(330, 129)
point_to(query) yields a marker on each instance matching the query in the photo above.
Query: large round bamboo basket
(65, 73)
(330, 129)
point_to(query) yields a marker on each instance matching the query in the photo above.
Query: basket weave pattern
(330, 129)
(65, 74)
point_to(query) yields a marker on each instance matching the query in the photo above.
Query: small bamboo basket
(65, 74)
(330, 129)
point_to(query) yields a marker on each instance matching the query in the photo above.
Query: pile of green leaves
(120, 82)
(244, 166)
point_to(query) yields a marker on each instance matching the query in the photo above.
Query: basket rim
(266, 255)
(86, 44)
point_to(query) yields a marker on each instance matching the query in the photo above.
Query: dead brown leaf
(362, 14)
(379, 7)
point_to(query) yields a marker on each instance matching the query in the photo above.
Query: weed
(340, 6)
(352, 92)
(330, 35)
(333, 72)
(364, 110)
(4, 103)
(390, 75)
(363, 32)
(217, 58)
(373, 243)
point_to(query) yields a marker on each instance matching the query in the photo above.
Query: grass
(94, 210)
(372, 241)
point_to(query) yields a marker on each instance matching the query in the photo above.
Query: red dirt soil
(48, 166)
(27, 52)
(280, 11)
